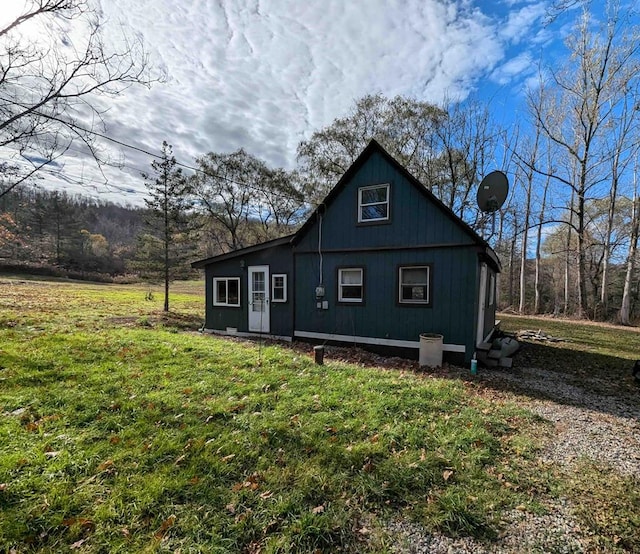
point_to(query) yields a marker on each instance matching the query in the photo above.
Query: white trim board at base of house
(230, 332)
(372, 340)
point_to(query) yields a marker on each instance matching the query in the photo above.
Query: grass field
(586, 349)
(123, 429)
(589, 338)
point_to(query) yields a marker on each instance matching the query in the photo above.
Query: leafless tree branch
(47, 85)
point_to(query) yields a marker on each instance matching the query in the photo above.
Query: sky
(264, 75)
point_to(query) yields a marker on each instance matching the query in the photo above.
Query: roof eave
(492, 258)
(199, 264)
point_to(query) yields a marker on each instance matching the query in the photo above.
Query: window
(279, 287)
(373, 203)
(351, 285)
(226, 291)
(414, 285)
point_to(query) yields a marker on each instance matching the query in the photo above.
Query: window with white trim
(279, 287)
(351, 284)
(373, 203)
(226, 291)
(414, 285)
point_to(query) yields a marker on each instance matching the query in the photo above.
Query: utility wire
(77, 127)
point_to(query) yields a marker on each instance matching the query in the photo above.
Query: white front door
(259, 298)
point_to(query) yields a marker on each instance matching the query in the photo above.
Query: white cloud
(264, 74)
(522, 64)
(519, 22)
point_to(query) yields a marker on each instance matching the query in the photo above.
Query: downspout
(320, 296)
(320, 270)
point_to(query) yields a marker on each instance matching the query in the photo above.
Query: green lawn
(125, 430)
(588, 338)
(587, 350)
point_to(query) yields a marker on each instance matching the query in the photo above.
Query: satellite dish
(493, 191)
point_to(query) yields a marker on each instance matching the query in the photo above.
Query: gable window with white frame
(226, 291)
(373, 204)
(351, 285)
(414, 284)
(279, 287)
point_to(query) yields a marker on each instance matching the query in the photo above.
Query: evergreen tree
(168, 219)
(65, 222)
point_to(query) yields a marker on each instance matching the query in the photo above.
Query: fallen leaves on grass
(166, 525)
(107, 465)
(83, 522)
(251, 483)
(368, 467)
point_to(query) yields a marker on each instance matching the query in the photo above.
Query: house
(377, 264)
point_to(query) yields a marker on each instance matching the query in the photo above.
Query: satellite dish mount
(492, 193)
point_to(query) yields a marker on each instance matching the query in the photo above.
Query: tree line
(54, 232)
(567, 235)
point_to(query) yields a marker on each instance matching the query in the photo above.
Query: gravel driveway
(603, 426)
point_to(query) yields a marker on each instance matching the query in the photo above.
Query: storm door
(259, 298)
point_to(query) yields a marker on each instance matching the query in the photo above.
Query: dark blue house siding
(420, 231)
(217, 317)
(453, 300)
(279, 260)
(413, 219)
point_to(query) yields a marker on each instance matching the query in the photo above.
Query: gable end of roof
(199, 264)
(373, 147)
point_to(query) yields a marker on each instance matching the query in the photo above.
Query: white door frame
(482, 300)
(258, 309)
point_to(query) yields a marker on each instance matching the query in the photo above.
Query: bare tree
(527, 160)
(468, 140)
(577, 115)
(537, 285)
(634, 231)
(405, 127)
(537, 278)
(624, 148)
(568, 261)
(246, 199)
(225, 186)
(278, 204)
(54, 67)
(559, 7)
